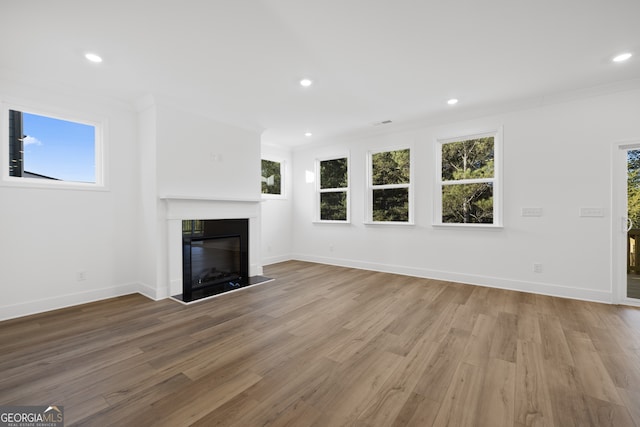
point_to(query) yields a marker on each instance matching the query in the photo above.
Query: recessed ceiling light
(452, 101)
(305, 82)
(308, 134)
(622, 57)
(93, 57)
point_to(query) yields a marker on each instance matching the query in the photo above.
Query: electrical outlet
(537, 267)
(81, 276)
(330, 248)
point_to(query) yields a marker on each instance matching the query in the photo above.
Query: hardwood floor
(329, 346)
(633, 286)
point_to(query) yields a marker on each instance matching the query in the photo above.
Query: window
(49, 151)
(389, 183)
(469, 190)
(272, 174)
(333, 189)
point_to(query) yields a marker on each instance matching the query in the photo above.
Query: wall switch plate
(591, 212)
(531, 211)
(537, 267)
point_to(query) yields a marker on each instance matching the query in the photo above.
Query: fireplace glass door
(214, 261)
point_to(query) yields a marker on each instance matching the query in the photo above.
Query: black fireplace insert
(215, 257)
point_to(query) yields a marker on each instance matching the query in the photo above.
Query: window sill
(469, 226)
(330, 222)
(387, 223)
(272, 197)
(52, 185)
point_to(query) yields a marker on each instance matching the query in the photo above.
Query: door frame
(619, 221)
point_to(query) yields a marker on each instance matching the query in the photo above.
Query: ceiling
(241, 61)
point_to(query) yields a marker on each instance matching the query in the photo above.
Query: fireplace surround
(177, 208)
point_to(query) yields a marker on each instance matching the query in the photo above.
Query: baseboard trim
(276, 259)
(255, 270)
(150, 292)
(47, 304)
(491, 282)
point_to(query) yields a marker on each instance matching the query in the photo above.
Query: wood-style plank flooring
(633, 286)
(330, 346)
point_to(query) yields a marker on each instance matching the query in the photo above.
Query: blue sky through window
(58, 148)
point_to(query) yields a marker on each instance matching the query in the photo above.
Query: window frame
(496, 180)
(371, 187)
(282, 163)
(100, 156)
(319, 190)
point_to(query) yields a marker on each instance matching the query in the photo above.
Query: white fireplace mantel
(186, 207)
(210, 207)
(210, 198)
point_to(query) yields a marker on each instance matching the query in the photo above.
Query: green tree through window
(467, 181)
(271, 177)
(633, 187)
(333, 193)
(390, 185)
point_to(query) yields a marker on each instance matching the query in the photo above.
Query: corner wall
(277, 212)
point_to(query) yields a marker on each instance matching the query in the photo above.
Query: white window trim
(283, 177)
(332, 190)
(370, 187)
(101, 160)
(496, 180)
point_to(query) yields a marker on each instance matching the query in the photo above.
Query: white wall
(277, 212)
(49, 235)
(149, 270)
(200, 156)
(556, 157)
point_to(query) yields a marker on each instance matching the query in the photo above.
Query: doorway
(626, 223)
(633, 223)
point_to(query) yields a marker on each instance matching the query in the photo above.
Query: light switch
(591, 212)
(531, 211)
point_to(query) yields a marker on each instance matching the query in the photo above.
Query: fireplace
(204, 218)
(215, 257)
